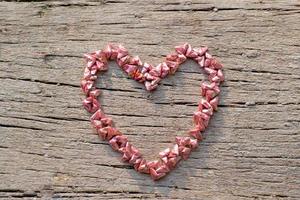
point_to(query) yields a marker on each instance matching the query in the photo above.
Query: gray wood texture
(48, 149)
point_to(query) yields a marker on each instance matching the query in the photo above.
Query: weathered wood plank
(48, 149)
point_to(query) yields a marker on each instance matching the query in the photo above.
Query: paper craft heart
(151, 76)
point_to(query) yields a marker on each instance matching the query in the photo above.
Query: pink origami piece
(151, 76)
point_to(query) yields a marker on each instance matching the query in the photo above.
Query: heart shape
(151, 76)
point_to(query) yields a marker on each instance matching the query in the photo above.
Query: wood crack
(42, 81)
(23, 127)
(30, 119)
(62, 118)
(211, 8)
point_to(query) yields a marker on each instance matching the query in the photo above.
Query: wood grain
(48, 149)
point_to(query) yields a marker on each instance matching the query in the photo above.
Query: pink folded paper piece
(150, 76)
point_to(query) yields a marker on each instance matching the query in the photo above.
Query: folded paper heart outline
(150, 76)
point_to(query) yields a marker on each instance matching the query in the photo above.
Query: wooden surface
(48, 149)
